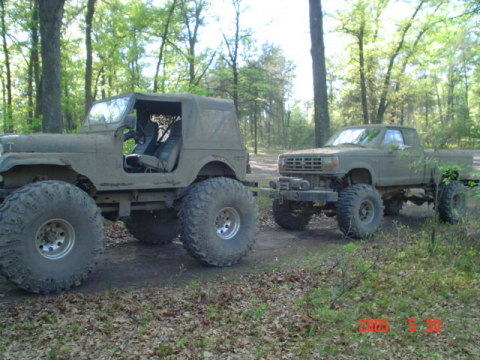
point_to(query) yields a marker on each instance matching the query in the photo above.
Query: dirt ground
(129, 263)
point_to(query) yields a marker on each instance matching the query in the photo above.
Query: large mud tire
(452, 202)
(359, 211)
(51, 236)
(156, 228)
(392, 207)
(218, 221)
(287, 217)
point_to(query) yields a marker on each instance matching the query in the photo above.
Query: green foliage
(433, 83)
(450, 173)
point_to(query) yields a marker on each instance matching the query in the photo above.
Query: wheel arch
(23, 174)
(360, 176)
(216, 168)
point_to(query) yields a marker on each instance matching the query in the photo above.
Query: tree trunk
(193, 18)
(320, 91)
(162, 45)
(232, 58)
(8, 119)
(439, 101)
(450, 93)
(51, 14)
(363, 82)
(33, 67)
(255, 127)
(89, 60)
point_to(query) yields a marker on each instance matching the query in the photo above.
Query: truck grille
(303, 163)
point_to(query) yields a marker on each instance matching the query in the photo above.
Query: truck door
(397, 160)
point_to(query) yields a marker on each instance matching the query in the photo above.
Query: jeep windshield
(107, 112)
(357, 137)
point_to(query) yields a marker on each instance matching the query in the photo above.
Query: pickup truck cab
(363, 172)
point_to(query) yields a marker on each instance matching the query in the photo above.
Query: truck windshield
(107, 112)
(357, 136)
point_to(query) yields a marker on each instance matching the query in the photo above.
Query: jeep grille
(303, 163)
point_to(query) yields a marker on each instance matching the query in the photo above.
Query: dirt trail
(129, 263)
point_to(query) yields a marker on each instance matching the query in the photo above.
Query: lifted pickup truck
(185, 175)
(362, 173)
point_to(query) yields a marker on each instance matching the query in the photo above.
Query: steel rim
(55, 239)
(366, 212)
(227, 223)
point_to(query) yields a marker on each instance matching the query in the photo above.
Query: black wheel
(157, 228)
(359, 211)
(392, 206)
(289, 217)
(218, 221)
(452, 202)
(51, 235)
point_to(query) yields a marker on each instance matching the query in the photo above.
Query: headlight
(330, 163)
(1, 149)
(281, 163)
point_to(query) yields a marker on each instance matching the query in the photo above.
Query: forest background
(420, 69)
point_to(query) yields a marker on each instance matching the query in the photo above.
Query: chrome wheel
(55, 238)
(227, 223)
(366, 212)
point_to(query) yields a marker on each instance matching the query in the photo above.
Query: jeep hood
(48, 143)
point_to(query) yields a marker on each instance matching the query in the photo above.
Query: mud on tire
(156, 228)
(452, 202)
(218, 221)
(286, 216)
(359, 211)
(51, 235)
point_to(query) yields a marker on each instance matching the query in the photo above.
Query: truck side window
(411, 137)
(392, 138)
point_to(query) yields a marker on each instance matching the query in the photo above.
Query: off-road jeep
(184, 176)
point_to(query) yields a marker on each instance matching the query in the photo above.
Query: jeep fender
(216, 166)
(8, 161)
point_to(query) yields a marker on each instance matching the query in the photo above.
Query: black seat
(148, 139)
(165, 156)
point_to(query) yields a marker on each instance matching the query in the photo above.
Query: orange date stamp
(431, 325)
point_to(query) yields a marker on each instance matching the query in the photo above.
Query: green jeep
(185, 176)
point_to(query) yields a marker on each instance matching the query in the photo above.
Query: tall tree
(33, 67)
(8, 117)
(165, 34)
(382, 106)
(233, 47)
(192, 12)
(320, 89)
(50, 15)
(88, 47)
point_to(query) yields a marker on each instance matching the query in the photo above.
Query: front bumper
(322, 196)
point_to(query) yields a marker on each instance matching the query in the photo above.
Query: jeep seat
(165, 157)
(150, 136)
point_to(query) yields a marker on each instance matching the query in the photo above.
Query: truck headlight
(1, 149)
(330, 163)
(281, 163)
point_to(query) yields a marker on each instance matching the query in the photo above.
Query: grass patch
(307, 310)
